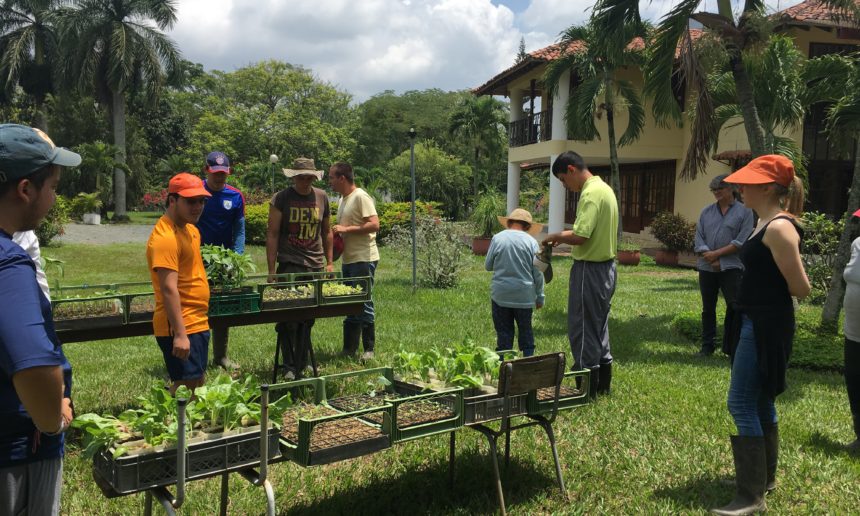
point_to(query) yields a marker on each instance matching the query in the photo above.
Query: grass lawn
(658, 444)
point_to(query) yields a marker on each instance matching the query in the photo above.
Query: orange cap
(856, 213)
(771, 168)
(187, 185)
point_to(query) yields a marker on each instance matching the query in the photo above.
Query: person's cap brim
(194, 192)
(747, 176)
(219, 168)
(65, 157)
(290, 172)
(856, 213)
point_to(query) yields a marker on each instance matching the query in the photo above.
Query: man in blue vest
(222, 223)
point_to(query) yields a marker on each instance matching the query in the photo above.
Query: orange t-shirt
(178, 249)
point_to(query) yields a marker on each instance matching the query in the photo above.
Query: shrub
(54, 222)
(154, 201)
(484, 218)
(813, 349)
(673, 231)
(256, 223)
(440, 250)
(393, 214)
(84, 203)
(818, 251)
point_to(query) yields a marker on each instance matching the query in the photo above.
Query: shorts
(192, 368)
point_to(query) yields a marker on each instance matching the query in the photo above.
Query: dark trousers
(710, 285)
(503, 320)
(589, 299)
(852, 380)
(294, 338)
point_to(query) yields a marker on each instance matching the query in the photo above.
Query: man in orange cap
(180, 322)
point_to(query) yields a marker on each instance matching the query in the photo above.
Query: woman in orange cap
(760, 326)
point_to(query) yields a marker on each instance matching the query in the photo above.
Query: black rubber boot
(750, 477)
(368, 340)
(351, 338)
(855, 446)
(771, 451)
(595, 383)
(605, 379)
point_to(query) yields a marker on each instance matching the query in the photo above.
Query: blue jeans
(503, 320)
(748, 403)
(353, 270)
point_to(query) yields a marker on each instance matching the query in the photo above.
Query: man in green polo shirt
(594, 239)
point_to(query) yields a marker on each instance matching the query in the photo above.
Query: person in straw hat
(298, 239)
(517, 284)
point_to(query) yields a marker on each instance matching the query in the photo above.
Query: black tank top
(763, 284)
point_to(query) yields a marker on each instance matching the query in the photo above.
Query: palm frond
(616, 13)
(819, 74)
(704, 136)
(581, 110)
(635, 113)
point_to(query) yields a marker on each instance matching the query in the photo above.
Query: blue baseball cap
(26, 150)
(217, 162)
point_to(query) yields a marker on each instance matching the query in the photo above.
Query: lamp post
(273, 158)
(412, 135)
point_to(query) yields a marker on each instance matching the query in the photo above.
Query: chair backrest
(528, 374)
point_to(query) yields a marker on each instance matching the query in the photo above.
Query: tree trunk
(752, 122)
(833, 303)
(119, 186)
(615, 174)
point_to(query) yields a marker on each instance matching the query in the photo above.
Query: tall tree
(737, 35)
(594, 57)
(482, 121)
(28, 49)
(836, 79)
(521, 51)
(115, 48)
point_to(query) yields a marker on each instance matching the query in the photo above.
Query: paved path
(105, 234)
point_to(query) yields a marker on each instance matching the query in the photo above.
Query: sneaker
(289, 376)
(226, 364)
(367, 355)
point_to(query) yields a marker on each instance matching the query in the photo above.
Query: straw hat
(303, 167)
(521, 215)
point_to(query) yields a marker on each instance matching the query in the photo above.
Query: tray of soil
(100, 312)
(141, 307)
(346, 290)
(295, 294)
(319, 434)
(573, 392)
(144, 467)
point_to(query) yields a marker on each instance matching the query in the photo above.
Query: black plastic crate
(479, 407)
(133, 473)
(289, 294)
(140, 307)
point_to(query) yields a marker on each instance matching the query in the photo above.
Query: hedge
(813, 349)
(390, 214)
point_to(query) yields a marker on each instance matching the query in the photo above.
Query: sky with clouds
(368, 46)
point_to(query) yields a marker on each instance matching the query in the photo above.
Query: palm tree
(117, 47)
(28, 49)
(594, 59)
(836, 79)
(482, 122)
(736, 34)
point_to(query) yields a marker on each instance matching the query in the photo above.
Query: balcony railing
(531, 129)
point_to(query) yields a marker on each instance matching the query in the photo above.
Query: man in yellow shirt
(180, 322)
(358, 223)
(594, 238)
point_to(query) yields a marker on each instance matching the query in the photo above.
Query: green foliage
(673, 231)
(84, 203)
(484, 218)
(818, 251)
(441, 250)
(225, 268)
(400, 214)
(55, 220)
(256, 223)
(439, 177)
(482, 122)
(628, 245)
(464, 365)
(813, 349)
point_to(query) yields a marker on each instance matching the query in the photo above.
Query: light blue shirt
(517, 282)
(716, 230)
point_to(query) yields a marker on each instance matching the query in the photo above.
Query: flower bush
(673, 231)
(154, 201)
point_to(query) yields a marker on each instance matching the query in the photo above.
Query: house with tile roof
(650, 167)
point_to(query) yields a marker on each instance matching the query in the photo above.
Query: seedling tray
(133, 473)
(140, 307)
(362, 282)
(290, 294)
(92, 312)
(233, 304)
(480, 407)
(540, 402)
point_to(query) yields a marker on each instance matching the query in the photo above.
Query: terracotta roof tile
(812, 12)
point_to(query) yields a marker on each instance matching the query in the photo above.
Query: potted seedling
(90, 204)
(485, 222)
(675, 234)
(227, 270)
(628, 253)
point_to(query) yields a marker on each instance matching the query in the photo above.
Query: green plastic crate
(540, 402)
(362, 282)
(140, 307)
(233, 304)
(288, 294)
(88, 312)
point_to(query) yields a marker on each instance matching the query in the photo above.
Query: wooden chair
(517, 377)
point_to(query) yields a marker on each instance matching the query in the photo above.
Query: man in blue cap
(35, 377)
(222, 223)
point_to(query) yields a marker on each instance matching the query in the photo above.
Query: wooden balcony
(531, 129)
